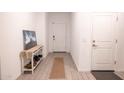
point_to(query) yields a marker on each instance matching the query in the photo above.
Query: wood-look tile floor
(42, 72)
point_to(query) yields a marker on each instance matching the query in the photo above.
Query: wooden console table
(27, 56)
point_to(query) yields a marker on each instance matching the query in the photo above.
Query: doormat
(58, 71)
(105, 75)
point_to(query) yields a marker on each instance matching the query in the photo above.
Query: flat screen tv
(29, 38)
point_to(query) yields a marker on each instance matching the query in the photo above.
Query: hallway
(43, 71)
(46, 43)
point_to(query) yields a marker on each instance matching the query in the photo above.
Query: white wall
(47, 34)
(41, 26)
(80, 40)
(75, 39)
(12, 39)
(59, 17)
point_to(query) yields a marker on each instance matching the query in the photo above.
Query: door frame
(115, 36)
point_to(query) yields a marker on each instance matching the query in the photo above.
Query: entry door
(59, 30)
(103, 43)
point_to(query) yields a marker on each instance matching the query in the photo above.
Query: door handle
(94, 45)
(53, 37)
(93, 41)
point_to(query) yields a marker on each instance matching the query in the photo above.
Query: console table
(27, 58)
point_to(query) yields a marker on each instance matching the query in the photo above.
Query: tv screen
(29, 38)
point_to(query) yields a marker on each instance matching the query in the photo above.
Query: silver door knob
(94, 45)
(93, 41)
(53, 37)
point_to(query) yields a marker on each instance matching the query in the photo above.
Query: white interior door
(103, 43)
(59, 35)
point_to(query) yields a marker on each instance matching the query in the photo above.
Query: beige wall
(12, 39)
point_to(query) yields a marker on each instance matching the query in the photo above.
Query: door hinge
(115, 62)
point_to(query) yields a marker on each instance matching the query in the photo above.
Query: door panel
(59, 30)
(103, 42)
(102, 28)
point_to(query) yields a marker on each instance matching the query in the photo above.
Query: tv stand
(31, 58)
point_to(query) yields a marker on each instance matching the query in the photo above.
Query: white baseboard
(119, 70)
(84, 70)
